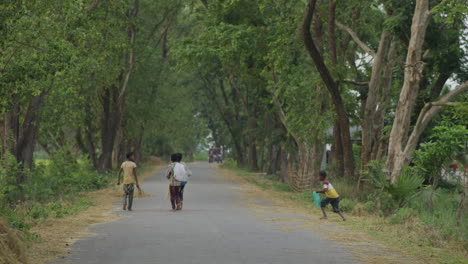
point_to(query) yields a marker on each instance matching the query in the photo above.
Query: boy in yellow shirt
(332, 197)
(130, 178)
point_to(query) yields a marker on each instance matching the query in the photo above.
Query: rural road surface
(217, 226)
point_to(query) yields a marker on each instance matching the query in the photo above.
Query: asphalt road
(217, 226)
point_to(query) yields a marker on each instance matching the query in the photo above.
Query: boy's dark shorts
(335, 202)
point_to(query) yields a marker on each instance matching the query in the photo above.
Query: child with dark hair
(130, 178)
(332, 196)
(177, 174)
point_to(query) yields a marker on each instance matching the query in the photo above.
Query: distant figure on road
(210, 155)
(130, 178)
(177, 174)
(184, 177)
(332, 196)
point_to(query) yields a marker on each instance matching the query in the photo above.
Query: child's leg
(131, 191)
(336, 208)
(173, 193)
(323, 205)
(324, 213)
(125, 196)
(182, 186)
(342, 216)
(177, 197)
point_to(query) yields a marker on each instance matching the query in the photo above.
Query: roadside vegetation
(373, 91)
(53, 189)
(82, 83)
(435, 236)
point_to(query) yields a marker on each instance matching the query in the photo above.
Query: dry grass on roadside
(57, 234)
(12, 249)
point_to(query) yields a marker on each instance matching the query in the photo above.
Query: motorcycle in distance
(218, 158)
(215, 155)
(215, 158)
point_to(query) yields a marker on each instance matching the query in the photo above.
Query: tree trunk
(333, 89)
(110, 123)
(316, 158)
(370, 122)
(24, 135)
(253, 162)
(337, 157)
(4, 135)
(27, 136)
(284, 167)
(274, 158)
(425, 116)
(412, 76)
(113, 100)
(331, 33)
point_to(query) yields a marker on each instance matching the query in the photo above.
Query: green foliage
(370, 206)
(200, 156)
(439, 208)
(392, 196)
(53, 189)
(405, 188)
(229, 164)
(345, 187)
(401, 216)
(347, 205)
(446, 144)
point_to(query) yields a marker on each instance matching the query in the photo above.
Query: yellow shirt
(127, 167)
(331, 192)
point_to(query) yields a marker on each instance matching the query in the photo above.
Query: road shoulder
(364, 247)
(57, 235)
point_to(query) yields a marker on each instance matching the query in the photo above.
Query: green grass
(200, 156)
(55, 188)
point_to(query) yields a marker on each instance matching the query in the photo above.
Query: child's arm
(324, 190)
(136, 178)
(118, 176)
(168, 173)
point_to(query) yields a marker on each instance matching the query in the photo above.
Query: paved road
(215, 227)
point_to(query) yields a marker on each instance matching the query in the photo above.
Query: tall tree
(343, 127)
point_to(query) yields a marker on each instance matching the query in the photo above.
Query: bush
(229, 163)
(392, 196)
(347, 205)
(401, 216)
(200, 156)
(406, 187)
(345, 187)
(370, 207)
(50, 188)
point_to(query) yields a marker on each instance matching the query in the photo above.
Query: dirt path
(224, 221)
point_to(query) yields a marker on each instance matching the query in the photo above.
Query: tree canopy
(285, 87)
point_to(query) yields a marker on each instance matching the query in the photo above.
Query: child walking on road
(185, 178)
(177, 174)
(130, 179)
(332, 197)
